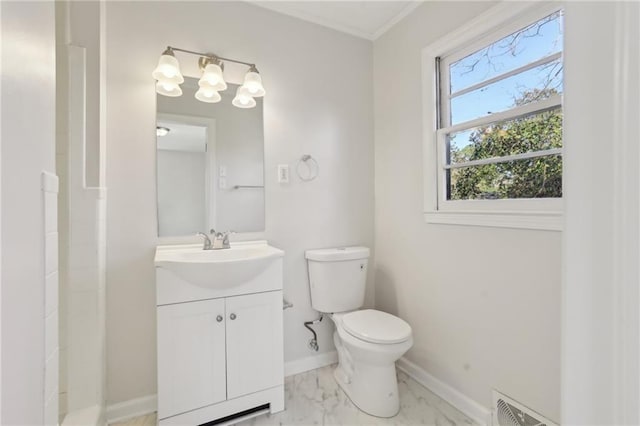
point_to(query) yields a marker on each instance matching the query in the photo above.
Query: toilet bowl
(369, 342)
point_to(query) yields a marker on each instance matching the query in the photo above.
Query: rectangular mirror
(210, 164)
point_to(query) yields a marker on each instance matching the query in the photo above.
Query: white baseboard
(310, 363)
(468, 406)
(126, 410)
(90, 416)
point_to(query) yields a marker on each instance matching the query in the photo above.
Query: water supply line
(313, 343)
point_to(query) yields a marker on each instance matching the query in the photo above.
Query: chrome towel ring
(307, 168)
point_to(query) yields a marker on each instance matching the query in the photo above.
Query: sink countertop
(186, 272)
(193, 253)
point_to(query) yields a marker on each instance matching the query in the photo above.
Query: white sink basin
(217, 268)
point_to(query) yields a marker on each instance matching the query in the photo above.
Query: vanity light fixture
(207, 94)
(253, 82)
(243, 98)
(168, 89)
(162, 131)
(168, 74)
(212, 69)
(169, 78)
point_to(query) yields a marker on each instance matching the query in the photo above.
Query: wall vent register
(508, 412)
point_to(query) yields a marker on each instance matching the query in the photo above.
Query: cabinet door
(191, 356)
(254, 343)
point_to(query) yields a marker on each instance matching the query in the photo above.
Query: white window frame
(496, 23)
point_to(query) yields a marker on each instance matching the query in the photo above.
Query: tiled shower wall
(51, 353)
(82, 266)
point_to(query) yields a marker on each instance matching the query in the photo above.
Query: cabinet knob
(232, 316)
(219, 318)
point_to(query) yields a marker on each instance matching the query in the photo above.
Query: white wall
(319, 102)
(484, 303)
(28, 148)
(601, 313)
(84, 30)
(181, 189)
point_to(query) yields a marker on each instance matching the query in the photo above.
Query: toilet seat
(374, 326)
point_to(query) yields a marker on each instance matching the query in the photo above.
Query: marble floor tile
(314, 398)
(147, 420)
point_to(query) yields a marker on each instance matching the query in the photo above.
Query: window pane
(536, 41)
(528, 86)
(535, 132)
(539, 177)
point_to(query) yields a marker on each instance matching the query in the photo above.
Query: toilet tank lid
(337, 254)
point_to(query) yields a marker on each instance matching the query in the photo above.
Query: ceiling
(365, 19)
(183, 137)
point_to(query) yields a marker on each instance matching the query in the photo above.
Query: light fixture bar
(211, 55)
(168, 78)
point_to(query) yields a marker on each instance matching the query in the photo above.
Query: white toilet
(369, 342)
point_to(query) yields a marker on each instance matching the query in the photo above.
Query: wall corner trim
(478, 413)
(126, 410)
(49, 182)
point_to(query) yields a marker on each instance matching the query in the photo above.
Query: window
(498, 127)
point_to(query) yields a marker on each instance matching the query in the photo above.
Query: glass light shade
(168, 70)
(162, 131)
(212, 77)
(207, 94)
(243, 98)
(168, 89)
(253, 83)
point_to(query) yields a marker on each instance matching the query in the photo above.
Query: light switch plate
(222, 172)
(283, 173)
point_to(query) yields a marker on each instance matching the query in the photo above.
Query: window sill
(551, 221)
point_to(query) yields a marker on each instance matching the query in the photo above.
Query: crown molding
(280, 8)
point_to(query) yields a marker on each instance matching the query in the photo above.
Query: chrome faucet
(207, 241)
(220, 240)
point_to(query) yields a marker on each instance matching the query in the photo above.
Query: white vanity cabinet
(254, 342)
(220, 348)
(191, 356)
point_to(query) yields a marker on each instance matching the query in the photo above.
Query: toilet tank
(337, 278)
